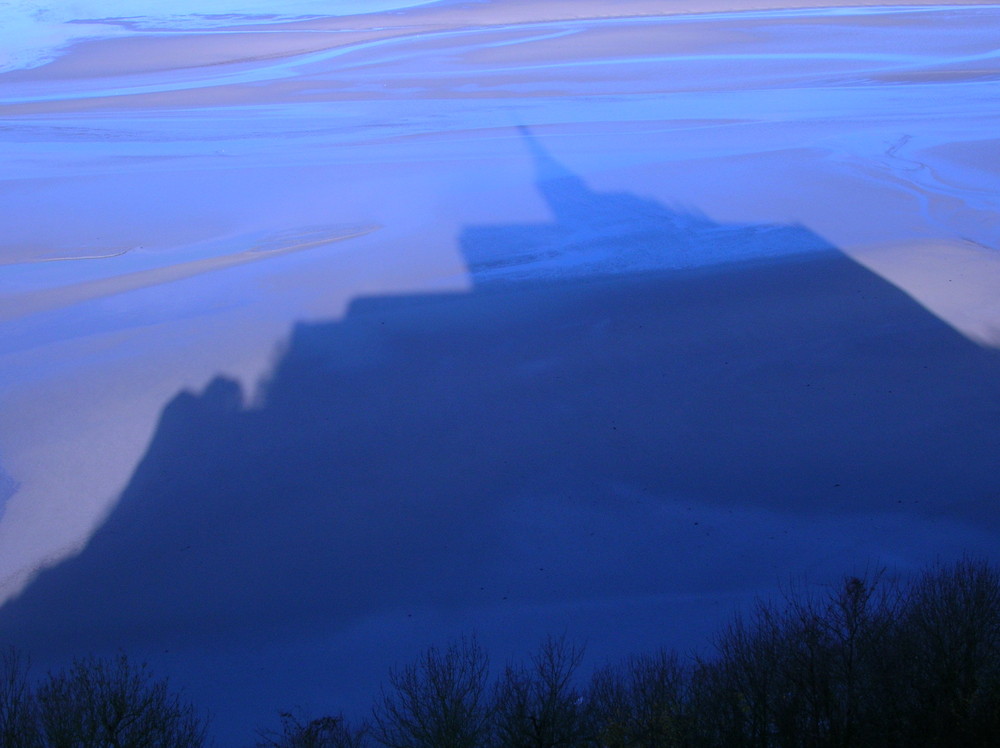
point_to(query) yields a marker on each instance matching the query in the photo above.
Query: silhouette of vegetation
(322, 732)
(440, 701)
(18, 722)
(641, 702)
(869, 663)
(946, 658)
(807, 673)
(95, 703)
(540, 706)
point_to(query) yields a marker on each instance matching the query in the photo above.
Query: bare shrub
(539, 706)
(641, 703)
(18, 718)
(112, 702)
(440, 701)
(322, 732)
(947, 657)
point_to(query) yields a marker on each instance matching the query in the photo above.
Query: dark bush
(99, 702)
(322, 732)
(868, 664)
(95, 703)
(642, 703)
(441, 701)
(947, 657)
(18, 717)
(539, 706)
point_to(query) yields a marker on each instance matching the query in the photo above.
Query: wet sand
(176, 203)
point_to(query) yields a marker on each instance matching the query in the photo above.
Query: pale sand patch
(29, 254)
(636, 39)
(459, 14)
(981, 155)
(153, 52)
(148, 52)
(277, 64)
(957, 281)
(21, 305)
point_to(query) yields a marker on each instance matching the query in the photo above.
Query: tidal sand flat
(324, 338)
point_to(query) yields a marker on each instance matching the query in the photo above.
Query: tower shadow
(596, 233)
(544, 442)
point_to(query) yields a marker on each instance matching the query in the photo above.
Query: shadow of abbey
(609, 233)
(552, 440)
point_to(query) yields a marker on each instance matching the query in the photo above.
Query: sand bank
(165, 142)
(493, 144)
(263, 47)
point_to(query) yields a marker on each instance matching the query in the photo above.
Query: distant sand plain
(174, 202)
